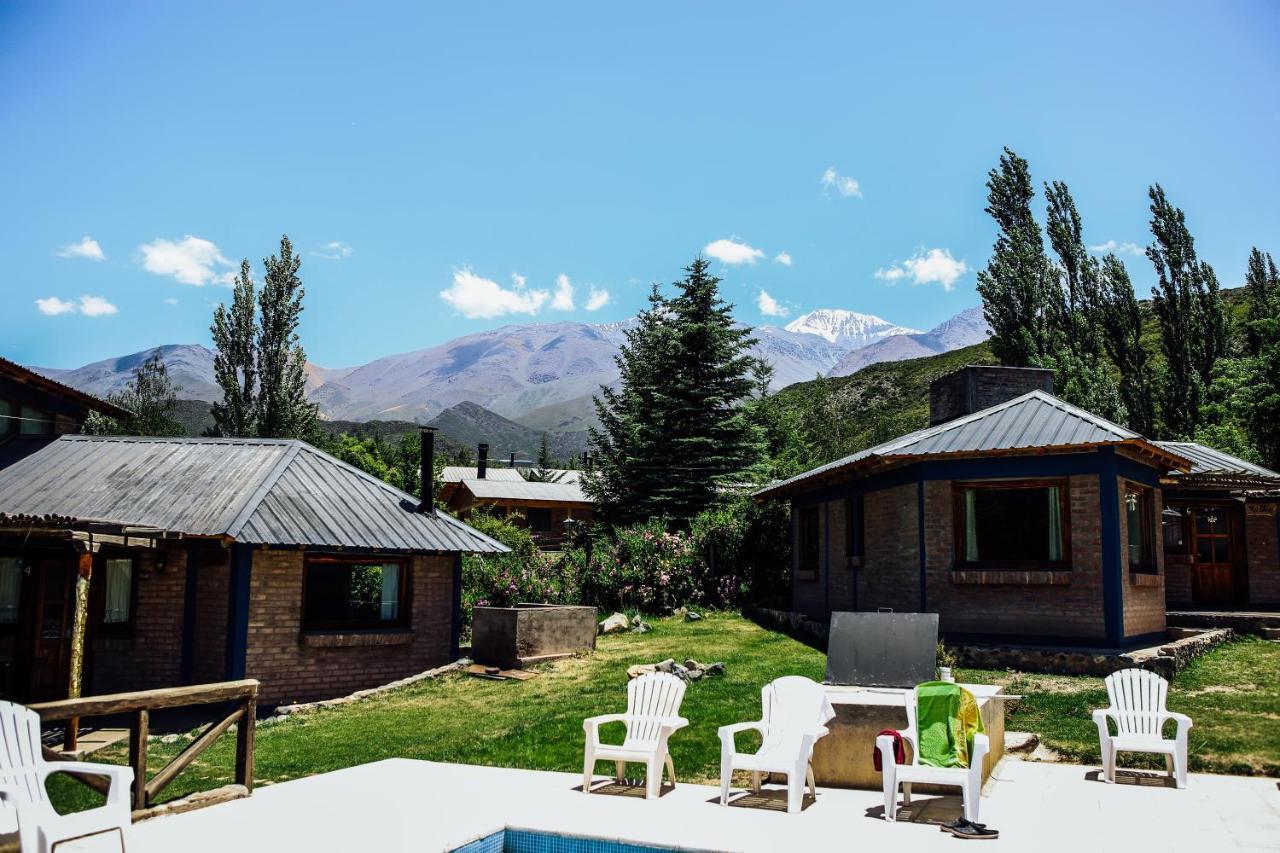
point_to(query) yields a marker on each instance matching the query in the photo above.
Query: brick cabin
(542, 507)
(1015, 516)
(212, 559)
(35, 410)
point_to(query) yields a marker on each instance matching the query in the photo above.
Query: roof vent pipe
(512, 462)
(427, 470)
(482, 460)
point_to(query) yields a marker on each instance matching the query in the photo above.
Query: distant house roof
(18, 373)
(1207, 463)
(257, 491)
(458, 473)
(523, 490)
(1035, 421)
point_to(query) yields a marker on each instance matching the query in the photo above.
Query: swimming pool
(527, 841)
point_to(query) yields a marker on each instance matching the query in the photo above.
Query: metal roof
(527, 491)
(1033, 421)
(458, 473)
(1207, 462)
(258, 491)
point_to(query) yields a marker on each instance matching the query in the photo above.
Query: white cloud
(518, 280)
(597, 299)
(481, 298)
(770, 307)
(563, 298)
(733, 252)
(86, 248)
(1125, 248)
(783, 258)
(191, 260)
(334, 250)
(90, 306)
(170, 301)
(843, 184)
(96, 306)
(53, 306)
(934, 266)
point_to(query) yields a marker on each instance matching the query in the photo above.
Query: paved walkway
(406, 805)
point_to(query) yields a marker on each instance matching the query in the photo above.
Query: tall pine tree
(235, 333)
(1194, 323)
(675, 427)
(1016, 284)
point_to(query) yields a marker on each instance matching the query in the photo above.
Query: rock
(641, 628)
(636, 621)
(680, 612)
(1020, 741)
(714, 668)
(640, 669)
(667, 665)
(170, 738)
(680, 672)
(692, 664)
(615, 623)
(695, 674)
(690, 616)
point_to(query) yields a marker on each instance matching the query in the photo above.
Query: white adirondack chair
(653, 714)
(1137, 706)
(794, 714)
(968, 779)
(23, 772)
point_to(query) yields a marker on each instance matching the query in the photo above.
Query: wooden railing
(244, 711)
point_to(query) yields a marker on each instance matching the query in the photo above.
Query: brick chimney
(975, 387)
(482, 460)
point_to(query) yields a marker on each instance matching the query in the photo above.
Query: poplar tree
(1194, 325)
(1121, 319)
(1016, 283)
(234, 361)
(282, 410)
(1263, 280)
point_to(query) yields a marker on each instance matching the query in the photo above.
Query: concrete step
(1259, 623)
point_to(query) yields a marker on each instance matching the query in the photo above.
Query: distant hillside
(471, 424)
(841, 415)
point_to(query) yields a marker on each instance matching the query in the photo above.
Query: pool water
(525, 841)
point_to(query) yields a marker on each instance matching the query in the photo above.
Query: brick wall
(808, 595)
(1144, 595)
(292, 669)
(209, 662)
(152, 656)
(1177, 579)
(1018, 609)
(890, 576)
(1263, 553)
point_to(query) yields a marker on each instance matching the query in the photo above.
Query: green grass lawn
(1232, 693)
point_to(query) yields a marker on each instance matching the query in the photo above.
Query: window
(539, 519)
(1016, 523)
(1138, 529)
(853, 528)
(353, 594)
(10, 589)
(808, 521)
(1173, 529)
(119, 591)
(35, 422)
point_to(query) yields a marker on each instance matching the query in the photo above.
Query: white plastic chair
(794, 714)
(23, 773)
(653, 714)
(968, 779)
(1137, 706)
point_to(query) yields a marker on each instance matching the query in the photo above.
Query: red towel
(899, 751)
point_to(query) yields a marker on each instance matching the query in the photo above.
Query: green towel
(947, 719)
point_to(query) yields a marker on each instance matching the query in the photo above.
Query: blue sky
(427, 160)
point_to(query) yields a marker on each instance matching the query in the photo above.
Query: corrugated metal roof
(259, 491)
(527, 491)
(1206, 461)
(1033, 421)
(458, 473)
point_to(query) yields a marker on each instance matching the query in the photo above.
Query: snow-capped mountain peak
(847, 328)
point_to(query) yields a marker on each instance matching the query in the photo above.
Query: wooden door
(1213, 563)
(51, 629)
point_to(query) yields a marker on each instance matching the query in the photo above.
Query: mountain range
(541, 375)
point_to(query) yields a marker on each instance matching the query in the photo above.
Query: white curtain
(1055, 525)
(10, 589)
(390, 591)
(119, 590)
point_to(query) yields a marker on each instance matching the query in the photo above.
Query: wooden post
(79, 623)
(138, 733)
(244, 744)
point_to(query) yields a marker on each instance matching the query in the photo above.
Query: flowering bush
(525, 574)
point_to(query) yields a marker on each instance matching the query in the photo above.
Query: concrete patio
(407, 805)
